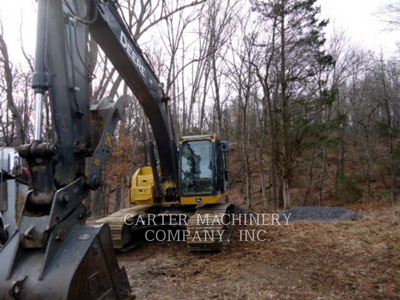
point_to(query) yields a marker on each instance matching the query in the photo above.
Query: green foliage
(302, 18)
(386, 131)
(328, 97)
(320, 134)
(348, 189)
(384, 193)
(397, 151)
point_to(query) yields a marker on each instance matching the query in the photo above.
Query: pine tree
(294, 57)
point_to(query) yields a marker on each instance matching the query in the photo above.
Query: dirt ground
(358, 259)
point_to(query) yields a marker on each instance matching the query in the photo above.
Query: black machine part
(3, 234)
(119, 45)
(54, 254)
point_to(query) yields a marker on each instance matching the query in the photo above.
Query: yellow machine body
(143, 186)
(143, 190)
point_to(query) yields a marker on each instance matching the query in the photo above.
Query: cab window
(197, 168)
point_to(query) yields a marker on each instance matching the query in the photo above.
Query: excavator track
(128, 231)
(210, 228)
(122, 234)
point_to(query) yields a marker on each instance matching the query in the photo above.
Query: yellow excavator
(197, 200)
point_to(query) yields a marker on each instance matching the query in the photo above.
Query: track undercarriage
(210, 228)
(206, 228)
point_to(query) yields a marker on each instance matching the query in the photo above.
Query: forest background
(312, 120)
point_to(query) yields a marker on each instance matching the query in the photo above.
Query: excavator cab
(202, 179)
(203, 176)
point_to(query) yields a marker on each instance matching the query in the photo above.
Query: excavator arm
(54, 254)
(121, 48)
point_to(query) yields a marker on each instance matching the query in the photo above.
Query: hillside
(352, 191)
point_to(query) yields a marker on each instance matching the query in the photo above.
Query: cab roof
(199, 137)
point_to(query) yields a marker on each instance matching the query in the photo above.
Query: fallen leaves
(350, 260)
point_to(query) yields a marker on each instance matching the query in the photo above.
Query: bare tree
(8, 86)
(389, 13)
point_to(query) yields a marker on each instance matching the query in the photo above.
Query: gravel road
(318, 214)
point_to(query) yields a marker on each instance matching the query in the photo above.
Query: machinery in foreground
(53, 254)
(13, 188)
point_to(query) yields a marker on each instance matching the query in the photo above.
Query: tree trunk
(248, 179)
(368, 163)
(273, 184)
(203, 103)
(340, 172)
(310, 177)
(323, 174)
(9, 92)
(286, 193)
(217, 96)
(118, 199)
(263, 180)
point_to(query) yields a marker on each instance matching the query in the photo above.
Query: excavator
(196, 198)
(53, 253)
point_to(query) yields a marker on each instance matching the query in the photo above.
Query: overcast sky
(355, 17)
(358, 18)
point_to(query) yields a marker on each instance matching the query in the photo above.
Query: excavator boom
(54, 254)
(121, 48)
